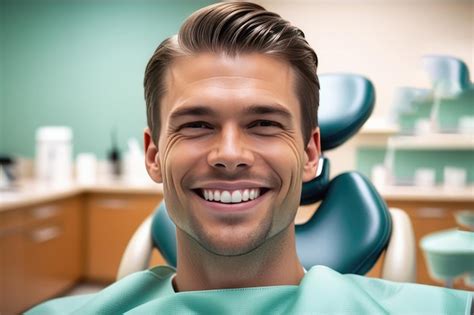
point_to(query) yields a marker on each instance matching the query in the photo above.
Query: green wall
(2, 102)
(81, 64)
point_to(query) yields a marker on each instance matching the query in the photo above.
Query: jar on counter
(53, 162)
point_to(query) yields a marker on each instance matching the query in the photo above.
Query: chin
(233, 242)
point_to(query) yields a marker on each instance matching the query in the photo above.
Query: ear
(313, 152)
(152, 161)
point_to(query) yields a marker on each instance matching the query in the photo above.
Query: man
(232, 133)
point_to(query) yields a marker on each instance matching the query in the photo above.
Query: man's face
(231, 154)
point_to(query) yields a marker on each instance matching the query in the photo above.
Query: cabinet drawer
(111, 221)
(41, 253)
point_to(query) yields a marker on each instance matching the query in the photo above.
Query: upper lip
(228, 185)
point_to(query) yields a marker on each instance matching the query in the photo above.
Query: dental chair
(448, 75)
(352, 226)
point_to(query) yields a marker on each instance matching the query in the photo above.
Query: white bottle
(53, 163)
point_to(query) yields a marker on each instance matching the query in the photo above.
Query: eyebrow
(275, 109)
(197, 110)
(256, 109)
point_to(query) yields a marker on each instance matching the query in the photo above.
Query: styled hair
(234, 28)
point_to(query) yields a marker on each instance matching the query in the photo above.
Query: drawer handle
(112, 203)
(45, 212)
(431, 213)
(45, 234)
(10, 231)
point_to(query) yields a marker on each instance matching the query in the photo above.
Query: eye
(265, 123)
(195, 129)
(196, 125)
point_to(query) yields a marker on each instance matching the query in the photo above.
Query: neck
(273, 263)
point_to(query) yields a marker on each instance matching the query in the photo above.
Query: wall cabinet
(41, 253)
(111, 220)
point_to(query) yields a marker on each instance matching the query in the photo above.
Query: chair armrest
(400, 256)
(138, 252)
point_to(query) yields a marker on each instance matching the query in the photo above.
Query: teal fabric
(322, 291)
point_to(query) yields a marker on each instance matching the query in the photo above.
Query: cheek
(285, 156)
(283, 151)
(177, 158)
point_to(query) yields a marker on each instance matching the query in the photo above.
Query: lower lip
(232, 207)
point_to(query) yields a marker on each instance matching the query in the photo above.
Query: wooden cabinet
(111, 220)
(40, 253)
(429, 217)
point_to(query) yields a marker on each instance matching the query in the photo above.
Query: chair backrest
(448, 75)
(349, 230)
(346, 102)
(352, 225)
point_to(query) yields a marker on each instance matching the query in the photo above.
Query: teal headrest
(315, 190)
(346, 102)
(349, 230)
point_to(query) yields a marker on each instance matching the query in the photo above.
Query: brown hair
(234, 28)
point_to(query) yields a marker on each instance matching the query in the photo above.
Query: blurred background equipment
(86, 168)
(450, 253)
(7, 172)
(114, 157)
(54, 155)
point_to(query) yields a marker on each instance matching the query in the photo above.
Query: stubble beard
(231, 242)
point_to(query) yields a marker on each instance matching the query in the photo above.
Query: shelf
(433, 141)
(379, 127)
(438, 193)
(30, 192)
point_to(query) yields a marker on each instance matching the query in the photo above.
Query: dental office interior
(73, 187)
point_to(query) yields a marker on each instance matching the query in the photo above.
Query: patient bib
(322, 291)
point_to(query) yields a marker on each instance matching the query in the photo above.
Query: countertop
(437, 193)
(30, 192)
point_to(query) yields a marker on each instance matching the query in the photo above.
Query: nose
(230, 152)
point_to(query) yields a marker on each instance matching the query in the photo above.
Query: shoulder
(393, 297)
(125, 294)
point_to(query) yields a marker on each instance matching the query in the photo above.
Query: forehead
(230, 81)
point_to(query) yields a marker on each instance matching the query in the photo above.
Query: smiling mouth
(230, 196)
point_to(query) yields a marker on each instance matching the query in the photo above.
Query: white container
(53, 163)
(379, 175)
(454, 177)
(86, 168)
(134, 164)
(466, 125)
(423, 127)
(425, 177)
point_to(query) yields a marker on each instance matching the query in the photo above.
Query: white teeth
(226, 197)
(245, 195)
(236, 196)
